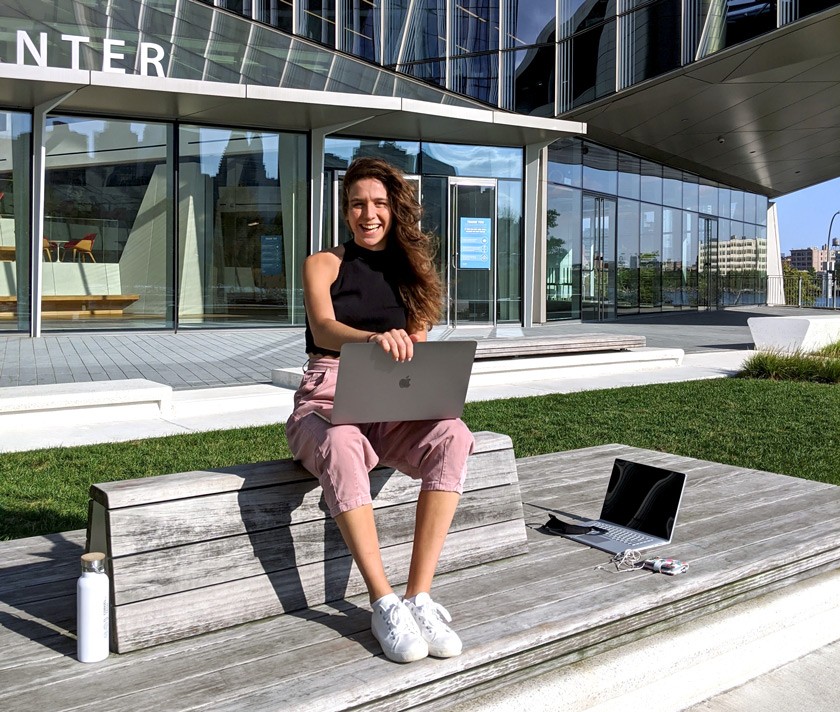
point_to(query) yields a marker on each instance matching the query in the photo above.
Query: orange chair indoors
(82, 246)
(49, 247)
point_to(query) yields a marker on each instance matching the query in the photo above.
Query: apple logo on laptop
(405, 382)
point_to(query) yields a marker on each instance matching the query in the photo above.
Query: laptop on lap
(371, 387)
(639, 510)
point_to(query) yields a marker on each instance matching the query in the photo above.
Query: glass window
(415, 30)
(629, 176)
(473, 161)
(644, 31)
(243, 226)
(317, 20)
(672, 260)
(749, 207)
(691, 192)
(650, 258)
(108, 207)
(360, 21)
(533, 80)
(651, 182)
(275, 12)
(530, 23)
(565, 162)
(588, 65)
(708, 197)
(745, 20)
(563, 244)
(577, 15)
(339, 152)
(475, 26)
(724, 204)
(761, 208)
(737, 204)
(671, 187)
(627, 260)
(477, 76)
(509, 251)
(690, 257)
(433, 72)
(600, 168)
(15, 182)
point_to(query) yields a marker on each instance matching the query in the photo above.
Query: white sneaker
(432, 618)
(394, 627)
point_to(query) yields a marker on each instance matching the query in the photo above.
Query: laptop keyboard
(625, 536)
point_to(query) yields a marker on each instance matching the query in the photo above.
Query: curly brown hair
(413, 251)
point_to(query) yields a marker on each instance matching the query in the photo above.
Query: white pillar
(533, 250)
(39, 161)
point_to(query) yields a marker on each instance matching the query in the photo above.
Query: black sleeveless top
(365, 294)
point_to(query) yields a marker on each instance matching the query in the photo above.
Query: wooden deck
(744, 532)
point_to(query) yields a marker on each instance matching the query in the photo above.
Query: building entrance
(471, 247)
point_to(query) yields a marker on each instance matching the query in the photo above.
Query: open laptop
(639, 511)
(373, 388)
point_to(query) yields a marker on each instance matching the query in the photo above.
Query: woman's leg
(358, 528)
(435, 510)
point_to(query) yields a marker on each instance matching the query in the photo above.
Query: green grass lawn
(780, 426)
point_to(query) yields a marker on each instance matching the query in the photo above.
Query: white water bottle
(92, 615)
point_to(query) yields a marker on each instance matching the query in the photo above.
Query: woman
(380, 287)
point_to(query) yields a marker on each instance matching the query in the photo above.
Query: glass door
(598, 300)
(472, 232)
(708, 292)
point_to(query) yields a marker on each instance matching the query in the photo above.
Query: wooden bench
(555, 344)
(63, 305)
(200, 551)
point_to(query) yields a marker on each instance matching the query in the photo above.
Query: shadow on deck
(746, 533)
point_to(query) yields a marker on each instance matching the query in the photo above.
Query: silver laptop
(373, 388)
(639, 511)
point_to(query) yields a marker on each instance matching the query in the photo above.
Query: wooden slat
(547, 345)
(283, 548)
(131, 493)
(192, 612)
(186, 520)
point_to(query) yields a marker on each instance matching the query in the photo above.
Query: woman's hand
(397, 342)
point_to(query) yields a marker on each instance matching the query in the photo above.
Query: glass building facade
(153, 218)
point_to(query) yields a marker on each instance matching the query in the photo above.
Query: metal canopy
(139, 97)
(763, 116)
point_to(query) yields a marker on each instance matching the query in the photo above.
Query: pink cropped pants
(341, 456)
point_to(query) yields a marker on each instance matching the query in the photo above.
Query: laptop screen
(643, 497)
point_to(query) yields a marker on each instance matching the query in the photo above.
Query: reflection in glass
(243, 226)
(651, 182)
(653, 32)
(587, 66)
(691, 192)
(360, 31)
(629, 178)
(473, 161)
(475, 26)
(671, 187)
(477, 76)
(673, 296)
(627, 258)
(509, 252)
(577, 15)
(650, 258)
(530, 22)
(533, 81)
(597, 264)
(565, 162)
(690, 258)
(415, 31)
(562, 274)
(108, 208)
(600, 168)
(15, 181)
(317, 20)
(708, 197)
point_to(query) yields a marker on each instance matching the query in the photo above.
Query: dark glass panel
(655, 31)
(415, 30)
(746, 19)
(577, 15)
(433, 72)
(530, 22)
(592, 74)
(476, 26)
(360, 20)
(533, 81)
(317, 20)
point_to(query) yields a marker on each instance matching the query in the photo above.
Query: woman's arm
(319, 272)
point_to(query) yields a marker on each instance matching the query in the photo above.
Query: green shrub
(795, 366)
